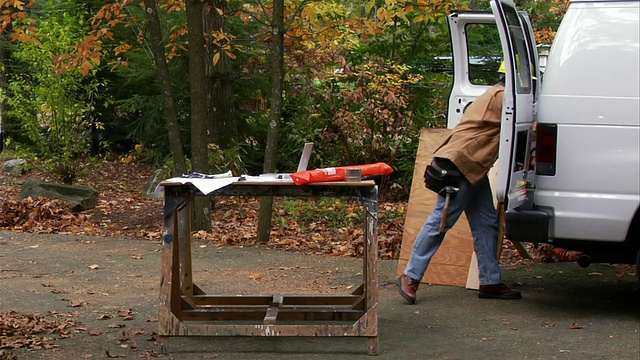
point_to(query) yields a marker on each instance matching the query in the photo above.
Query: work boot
(498, 291)
(407, 288)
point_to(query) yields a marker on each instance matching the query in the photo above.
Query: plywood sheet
(451, 264)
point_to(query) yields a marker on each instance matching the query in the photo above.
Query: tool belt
(440, 174)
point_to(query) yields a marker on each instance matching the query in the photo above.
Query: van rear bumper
(527, 226)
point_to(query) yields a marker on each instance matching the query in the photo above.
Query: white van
(581, 191)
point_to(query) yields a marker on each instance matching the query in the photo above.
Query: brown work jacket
(473, 144)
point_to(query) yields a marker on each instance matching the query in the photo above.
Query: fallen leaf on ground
(21, 331)
(77, 303)
(114, 356)
(126, 314)
(7, 356)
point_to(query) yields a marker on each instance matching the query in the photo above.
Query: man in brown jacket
(472, 147)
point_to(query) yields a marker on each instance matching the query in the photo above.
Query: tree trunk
(277, 85)
(3, 88)
(198, 94)
(223, 126)
(173, 127)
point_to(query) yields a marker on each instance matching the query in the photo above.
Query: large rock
(79, 198)
(15, 166)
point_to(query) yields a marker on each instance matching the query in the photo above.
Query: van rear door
(517, 47)
(475, 60)
(515, 173)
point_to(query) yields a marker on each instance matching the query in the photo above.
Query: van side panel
(591, 90)
(595, 53)
(593, 202)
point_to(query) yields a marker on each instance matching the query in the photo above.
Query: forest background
(217, 85)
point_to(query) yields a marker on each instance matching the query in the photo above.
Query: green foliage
(342, 93)
(14, 150)
(223, 160)
(359, 115)
(55, 110)
(256, 125)
(485, 53)
(546, 17)
(363, 78)
(370, 116)
(136, 113)
(171, 166)
(336, 212)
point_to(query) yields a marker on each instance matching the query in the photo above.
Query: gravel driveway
(104, 292)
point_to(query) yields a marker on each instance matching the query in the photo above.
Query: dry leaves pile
(7, 356)
(235, 221)
(31, 331)
(123, 211)
(39, 216)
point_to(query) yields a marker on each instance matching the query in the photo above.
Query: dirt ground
(97, 298)
(86, 287)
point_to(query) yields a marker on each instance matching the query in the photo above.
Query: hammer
(445, 212)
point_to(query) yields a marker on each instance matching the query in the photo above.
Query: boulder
(15, 166)
(79, 198)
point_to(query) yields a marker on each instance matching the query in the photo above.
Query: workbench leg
(170, 291)
(374, 345)
(163, 345)
(183, 233)
(370, 271)
(370, 256)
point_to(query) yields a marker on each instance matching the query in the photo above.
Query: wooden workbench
(187, 310)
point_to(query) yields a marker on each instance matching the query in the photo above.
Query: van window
(519, 44)
(484, 53)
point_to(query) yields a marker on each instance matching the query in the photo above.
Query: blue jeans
(477, 202)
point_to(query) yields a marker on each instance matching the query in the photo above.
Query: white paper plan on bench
(206, 183)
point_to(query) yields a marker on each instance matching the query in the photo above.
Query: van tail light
(546, 148)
